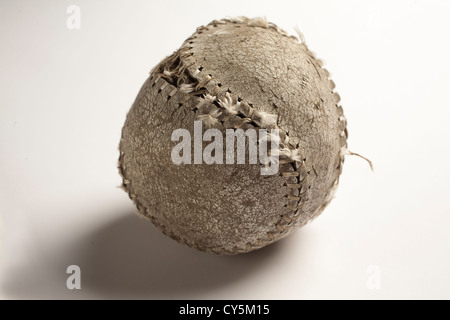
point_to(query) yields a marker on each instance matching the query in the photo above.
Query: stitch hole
(200, 68)
(180, 105)
(191, 42)
(168, 98)
(159, 90)
(219, 84)
(228, 90)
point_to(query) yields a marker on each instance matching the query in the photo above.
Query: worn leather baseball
(235, 73)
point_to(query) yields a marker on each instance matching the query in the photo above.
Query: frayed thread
(210, 119)
(187, 87)
(346, 152)
(265, 120)
(300, 35)
(210, 98)
(290, 155)
(227, 104)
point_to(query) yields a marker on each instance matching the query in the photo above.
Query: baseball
(235, 140)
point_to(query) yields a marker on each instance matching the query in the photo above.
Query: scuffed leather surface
(232, 208)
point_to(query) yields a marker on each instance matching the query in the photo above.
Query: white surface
(64, 95)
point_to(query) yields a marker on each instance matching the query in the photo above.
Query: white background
(64, 95)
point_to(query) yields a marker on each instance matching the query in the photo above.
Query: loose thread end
(301, 37)
(346, 152)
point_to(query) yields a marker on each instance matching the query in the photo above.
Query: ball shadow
(131, 258)
(128, 258)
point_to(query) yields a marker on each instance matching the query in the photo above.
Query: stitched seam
(297, 193)
(271, 236)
